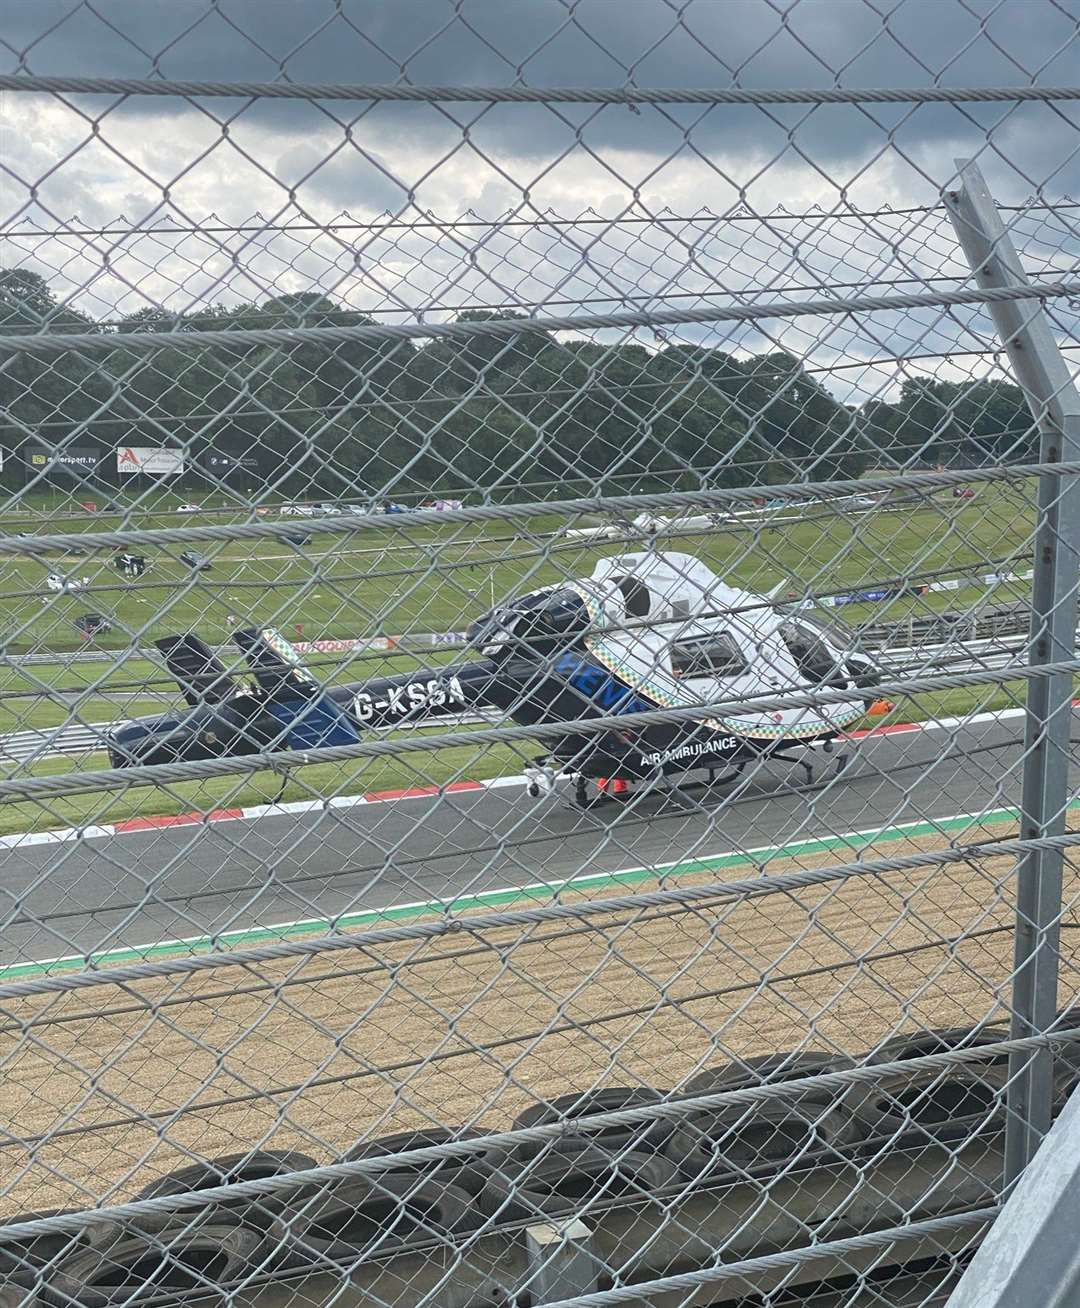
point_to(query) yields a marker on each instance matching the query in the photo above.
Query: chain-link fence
(539, 572)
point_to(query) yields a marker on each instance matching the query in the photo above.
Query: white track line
(256, 812)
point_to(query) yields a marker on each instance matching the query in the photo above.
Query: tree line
(398, 419)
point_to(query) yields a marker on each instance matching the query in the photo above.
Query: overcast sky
(167, 159)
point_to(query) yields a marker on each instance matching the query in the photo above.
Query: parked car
(62, 585)
(190, 508)
(131, 566)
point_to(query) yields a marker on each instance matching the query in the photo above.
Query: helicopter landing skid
(616, 794)
(842, 760)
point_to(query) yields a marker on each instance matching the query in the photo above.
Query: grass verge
(393, 581)
(361, 776)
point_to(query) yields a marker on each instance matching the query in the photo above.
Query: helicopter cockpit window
(715, 655)
(813, 658)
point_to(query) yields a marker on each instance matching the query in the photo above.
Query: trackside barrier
(230, 1170)
(646, 1238)
(656, 1197)
(955, 655)
(461, 1171)
(157, 1261)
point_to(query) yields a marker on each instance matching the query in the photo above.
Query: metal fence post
(1030, 1253)
(1039, 368)
(562, 1262)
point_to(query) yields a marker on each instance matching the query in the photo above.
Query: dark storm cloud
(595, 42)
(804, 154)
(814, 42)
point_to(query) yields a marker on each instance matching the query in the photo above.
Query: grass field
(383, 581)
(396, 580)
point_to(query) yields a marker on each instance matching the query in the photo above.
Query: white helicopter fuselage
(645, 632)
(701, 641)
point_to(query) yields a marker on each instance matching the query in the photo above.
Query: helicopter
(646, 631)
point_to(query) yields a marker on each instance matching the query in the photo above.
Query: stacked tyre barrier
(660, 1196)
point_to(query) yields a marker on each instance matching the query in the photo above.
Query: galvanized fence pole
(1030, 1255)
(562, 1261)
(1037, 363)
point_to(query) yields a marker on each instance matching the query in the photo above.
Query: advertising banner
(222, 463)
(876, 596)
(45, 460)
(153, 460)
(355, 646)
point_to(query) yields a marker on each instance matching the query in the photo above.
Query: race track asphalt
(137, 888)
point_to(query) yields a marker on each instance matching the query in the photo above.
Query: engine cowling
(542, 623)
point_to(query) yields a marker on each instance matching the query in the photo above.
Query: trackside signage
(44, 460)
(151, 460)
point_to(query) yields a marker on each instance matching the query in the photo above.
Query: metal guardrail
(24, 746)
(957, 655)
(1009, 620)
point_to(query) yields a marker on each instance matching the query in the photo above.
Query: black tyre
(647, 1136)
(466, 1173)
(733, 1142)
(921, 1044)
(257, 1210)
(21, 1261)
(939, 1104)
(769, 1069)
(944, 1104)
(349, 1221)
(569, 1174)
(156, 1260)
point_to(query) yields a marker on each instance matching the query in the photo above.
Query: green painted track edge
(534, 894)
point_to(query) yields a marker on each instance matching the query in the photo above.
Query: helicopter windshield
(712, 655)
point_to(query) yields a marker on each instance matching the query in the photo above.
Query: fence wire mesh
(539, 589)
